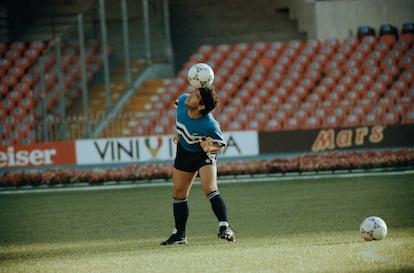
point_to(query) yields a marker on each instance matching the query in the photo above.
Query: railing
(95, 57)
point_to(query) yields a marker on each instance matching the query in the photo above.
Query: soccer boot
(175, 240)
(226, 233)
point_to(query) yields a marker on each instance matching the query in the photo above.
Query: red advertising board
(38, 155)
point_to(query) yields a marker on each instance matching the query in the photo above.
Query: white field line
(222, 180)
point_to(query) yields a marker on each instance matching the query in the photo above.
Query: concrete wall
(341, 18)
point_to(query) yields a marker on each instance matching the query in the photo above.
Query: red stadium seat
(400, 86)
(19, 46)
(321, 59)
(326, 51)
(243, 48)
(5, 64)
(260, 47)
(224, 49)
(351, 120)
(370, 40)
(407, 77)
(206, 50)
(330, 121)
(407, 37)
(385, 79)
(366, 80)
(37, 45)
(401, 46)
(12, 55)
(383, 47)
(9, 81)
(334, 43)
(273, 124)
(388, 39)
(345, 50)
(406, 62)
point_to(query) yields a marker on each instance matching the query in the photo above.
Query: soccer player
(199, 139)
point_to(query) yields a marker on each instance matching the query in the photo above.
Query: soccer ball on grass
(200, 75)
(373, 228)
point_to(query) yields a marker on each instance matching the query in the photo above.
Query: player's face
(194, 100)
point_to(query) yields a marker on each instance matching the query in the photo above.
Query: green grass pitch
(296, 225)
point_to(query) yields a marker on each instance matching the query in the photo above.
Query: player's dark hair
(210, 99)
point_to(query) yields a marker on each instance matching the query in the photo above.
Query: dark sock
(180, 207)
(218, 206)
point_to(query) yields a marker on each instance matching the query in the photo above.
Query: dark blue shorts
(191, 161)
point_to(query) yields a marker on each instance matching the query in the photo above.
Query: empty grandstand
(101, 69)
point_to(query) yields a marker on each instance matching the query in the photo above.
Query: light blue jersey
(191, 130)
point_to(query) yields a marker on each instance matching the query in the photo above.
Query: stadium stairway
(140, 116)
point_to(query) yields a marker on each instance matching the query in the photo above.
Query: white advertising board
(140, 149)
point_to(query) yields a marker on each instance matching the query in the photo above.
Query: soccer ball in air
(373, 228)
(200, 75)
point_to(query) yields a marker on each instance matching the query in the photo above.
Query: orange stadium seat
(243, 48)
(260, 47)
(224, 49)
(345, 50)
(407, 77)
(334, 43)
(279, 46)
(292, 123)
(3, 48)
(401, 46)
(307, 84)
(385, 79)
(407, 37)
(206, 50)
(366, 80)
(351, 120)
(5, 64)
(3, 89)
(383, 47)
(370, 40)
(373, 71)
(321, 59)
(330, 121)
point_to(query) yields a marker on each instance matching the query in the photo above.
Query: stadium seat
(401, 46)
(5, 64)
(206, 50)
(330, 121)
(365, 31)
(325, 52)
(408, 117)
(365, 48)
(242, 71)
(400, 86)
(224, 49)
(247, 63)
(260, 47)
(383, 47)
(278, 47)
(385, 78)
(229, 64)
(406, 62)
(38, 45)
(407, 37)
(351, 120)
(407, 77)
(217, 58)
(16, 71)
(388, 33)
(334, 43)
(242, 48)
(321, 59)
(352, 42)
